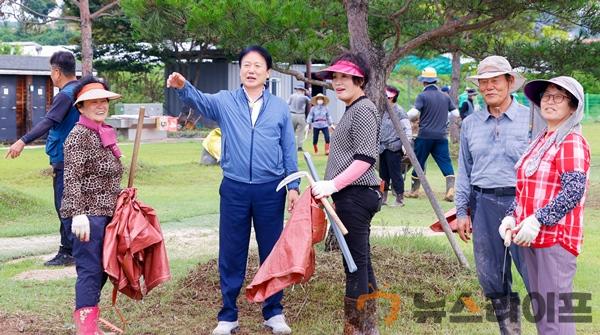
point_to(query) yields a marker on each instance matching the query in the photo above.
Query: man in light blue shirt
(491, 142)
(257, 152)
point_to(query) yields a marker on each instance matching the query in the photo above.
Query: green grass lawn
(185, 193)
(168, 178)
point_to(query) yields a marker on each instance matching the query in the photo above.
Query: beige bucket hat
(93, 91)
(314, 99)
(494, 66)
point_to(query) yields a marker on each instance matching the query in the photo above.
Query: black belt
(498, 191)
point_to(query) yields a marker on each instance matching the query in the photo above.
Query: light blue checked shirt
(489, 149)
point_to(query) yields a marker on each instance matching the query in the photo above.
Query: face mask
(319, 102)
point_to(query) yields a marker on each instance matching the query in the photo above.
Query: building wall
(27, 102)
(207, 77)
(214, 76)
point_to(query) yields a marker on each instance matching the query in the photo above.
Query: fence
(591, 108)
(406, 99)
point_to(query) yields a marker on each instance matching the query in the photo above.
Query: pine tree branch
(101, 11)
(300, 76)
(449, 28)
(48, 18)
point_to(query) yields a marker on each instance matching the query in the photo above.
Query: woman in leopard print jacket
(93, 173)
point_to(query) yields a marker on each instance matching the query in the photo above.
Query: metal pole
(428, 191)
(338, 234)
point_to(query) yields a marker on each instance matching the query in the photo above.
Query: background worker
(319, 120)
(297, 103)
(432, 106)
(57, 123)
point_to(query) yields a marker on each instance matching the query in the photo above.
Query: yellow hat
(428, 75)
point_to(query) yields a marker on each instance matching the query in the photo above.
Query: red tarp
(292, 259)
(134, 248)
(452, 222)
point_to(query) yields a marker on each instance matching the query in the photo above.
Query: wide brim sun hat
(494, 66)
(314, 99)
(95, 91)
(428, 75)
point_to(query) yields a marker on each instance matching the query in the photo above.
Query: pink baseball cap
(342, 66)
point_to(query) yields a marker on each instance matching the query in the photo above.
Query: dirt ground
(17, 325)
(181, 243)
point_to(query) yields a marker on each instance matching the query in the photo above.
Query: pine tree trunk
(86, 37)
(455, 76)
(454, 126)
(357, 14)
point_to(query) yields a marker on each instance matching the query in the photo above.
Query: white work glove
(528, 230)
(323, 188)
(508, 222)
(80, 226)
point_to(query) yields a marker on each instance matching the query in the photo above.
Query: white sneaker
(278, 325)
(226, 328)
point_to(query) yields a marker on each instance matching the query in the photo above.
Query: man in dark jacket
(433, 106)
(58, 122)
(468, 107)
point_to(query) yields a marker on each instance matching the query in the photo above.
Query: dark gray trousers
(487, 211)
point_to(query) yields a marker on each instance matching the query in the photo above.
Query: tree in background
(30, 12)
(6, 49)
(547, 44)
(186, 32)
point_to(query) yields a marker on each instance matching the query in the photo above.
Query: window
(275, 86)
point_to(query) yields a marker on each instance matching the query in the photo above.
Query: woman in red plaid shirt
(552, 180)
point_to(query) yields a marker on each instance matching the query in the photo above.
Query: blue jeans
(242, 205)
(88, 263)
(66, 238)
(487, 211)
(440, 152)
(316, 134)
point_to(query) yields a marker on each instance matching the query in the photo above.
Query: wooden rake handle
(329, 209)
(136, 146)
(334, 216)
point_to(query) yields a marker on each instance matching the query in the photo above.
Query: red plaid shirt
(535, 192)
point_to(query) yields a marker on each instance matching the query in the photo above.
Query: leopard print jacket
(92, 175)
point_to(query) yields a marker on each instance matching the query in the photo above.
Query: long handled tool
(507, 239)
(328, 209)
(132, 170)
(331, 214)
(338, 234)
(136, 146)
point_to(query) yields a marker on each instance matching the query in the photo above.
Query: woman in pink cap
(93, 173)
(351, 180)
